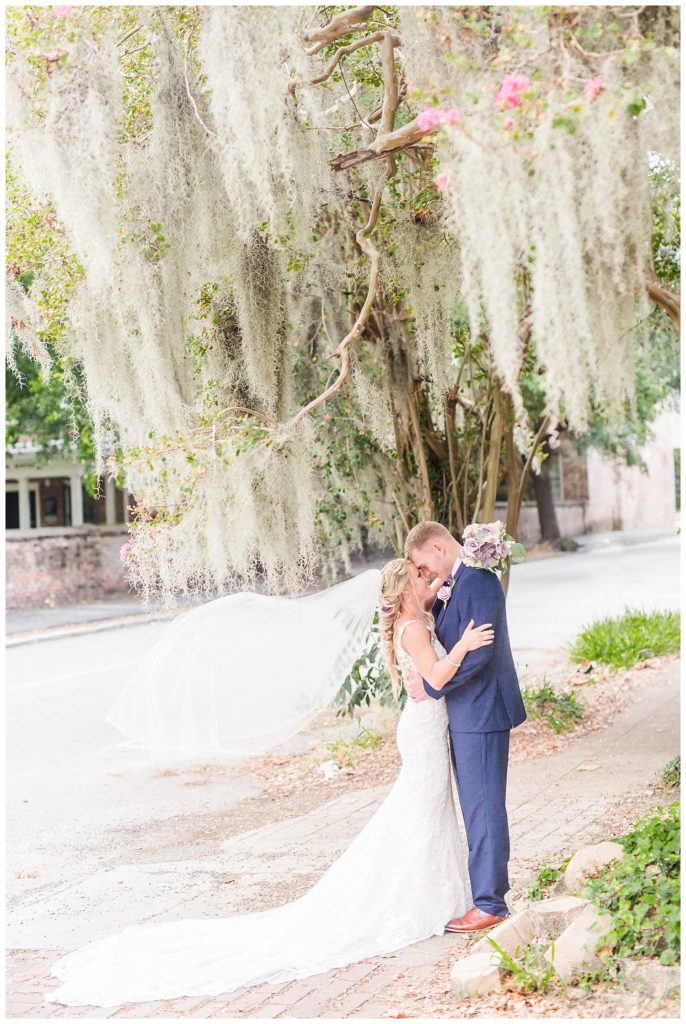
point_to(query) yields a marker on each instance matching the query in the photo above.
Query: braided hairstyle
(395, 576)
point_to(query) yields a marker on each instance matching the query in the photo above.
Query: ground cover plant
(624, 640)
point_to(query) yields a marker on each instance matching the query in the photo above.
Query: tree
(319, 251)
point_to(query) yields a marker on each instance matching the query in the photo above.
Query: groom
(484, 703)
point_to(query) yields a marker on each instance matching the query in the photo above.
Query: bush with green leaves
(368, 678)
(624, 640)
(671, 773)
(559, 709)
(642, 891)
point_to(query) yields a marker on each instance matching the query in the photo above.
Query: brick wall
(63, 565)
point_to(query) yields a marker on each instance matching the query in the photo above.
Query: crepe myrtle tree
(307, 258)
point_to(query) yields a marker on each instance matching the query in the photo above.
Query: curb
(96, 626)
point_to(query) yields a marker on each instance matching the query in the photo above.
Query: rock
(476, 975)
(650, 979)
(549, 918)
(510, 934)
(588, 861)
(573, 953)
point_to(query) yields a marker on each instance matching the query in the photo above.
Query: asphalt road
(79, 805)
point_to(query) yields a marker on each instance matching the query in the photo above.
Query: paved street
(98, 836)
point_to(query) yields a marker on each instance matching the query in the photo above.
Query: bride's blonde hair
(395, 576)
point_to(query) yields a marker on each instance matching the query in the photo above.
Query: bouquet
(488, 546)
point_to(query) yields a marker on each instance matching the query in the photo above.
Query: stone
(549, 918)
(509, 935)
(650, 979)
(476, 975)
(588, 861)
(573, 953)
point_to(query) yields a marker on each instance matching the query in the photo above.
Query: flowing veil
(244, 672)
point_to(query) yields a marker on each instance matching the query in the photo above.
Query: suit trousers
(480, 762)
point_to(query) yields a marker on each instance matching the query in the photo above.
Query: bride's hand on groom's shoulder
(414, 685)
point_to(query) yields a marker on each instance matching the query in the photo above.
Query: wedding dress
(402, 878)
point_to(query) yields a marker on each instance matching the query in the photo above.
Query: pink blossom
(62, 12)
(509, 123)
(511, 87)
(430, 118)
(452, 115)
(442, 180)
(124, 550)
(205, 324)
(593, 87)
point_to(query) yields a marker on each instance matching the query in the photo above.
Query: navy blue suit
(484, 703)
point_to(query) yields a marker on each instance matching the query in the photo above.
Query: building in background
(594, 493)
(61, 545)
(53, 494)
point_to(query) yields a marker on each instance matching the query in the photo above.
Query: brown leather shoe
(474, 920)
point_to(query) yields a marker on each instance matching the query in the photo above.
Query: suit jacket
(484, 694)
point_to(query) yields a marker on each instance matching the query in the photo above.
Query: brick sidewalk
(556, 803)
(353, 991)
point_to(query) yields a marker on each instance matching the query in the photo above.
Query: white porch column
(110, 514)
(76, 499)
(24, 504)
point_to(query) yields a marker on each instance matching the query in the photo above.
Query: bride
(399, 881)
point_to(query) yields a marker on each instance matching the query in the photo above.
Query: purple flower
(471, 545)
(503, 550)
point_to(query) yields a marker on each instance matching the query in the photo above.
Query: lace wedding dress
(399, 881)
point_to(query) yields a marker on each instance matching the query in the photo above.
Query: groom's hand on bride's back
(415, 688)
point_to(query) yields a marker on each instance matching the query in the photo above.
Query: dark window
(50, 510)
(66, 491)
(11, 510)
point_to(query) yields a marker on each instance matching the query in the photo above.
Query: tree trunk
(547, 515)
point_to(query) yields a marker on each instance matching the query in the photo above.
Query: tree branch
(345, 51)
(339, 26)
(384, 145)
(669, 301)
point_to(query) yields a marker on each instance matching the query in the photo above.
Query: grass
(560, 710)
(623, 641)
(530, 971)
(671, 773)
(344, 750)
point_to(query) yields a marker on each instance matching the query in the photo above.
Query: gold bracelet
(451, 662)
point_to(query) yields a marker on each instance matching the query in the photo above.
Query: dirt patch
(434, 998)
(602, 692)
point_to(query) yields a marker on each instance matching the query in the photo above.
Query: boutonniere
(446, 590)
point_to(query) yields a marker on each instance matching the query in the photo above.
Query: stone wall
(64, 566)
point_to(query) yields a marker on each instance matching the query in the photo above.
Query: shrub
(634, 636)
(671, 773)
(642, 890)
(368, 678)
(560, 710)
